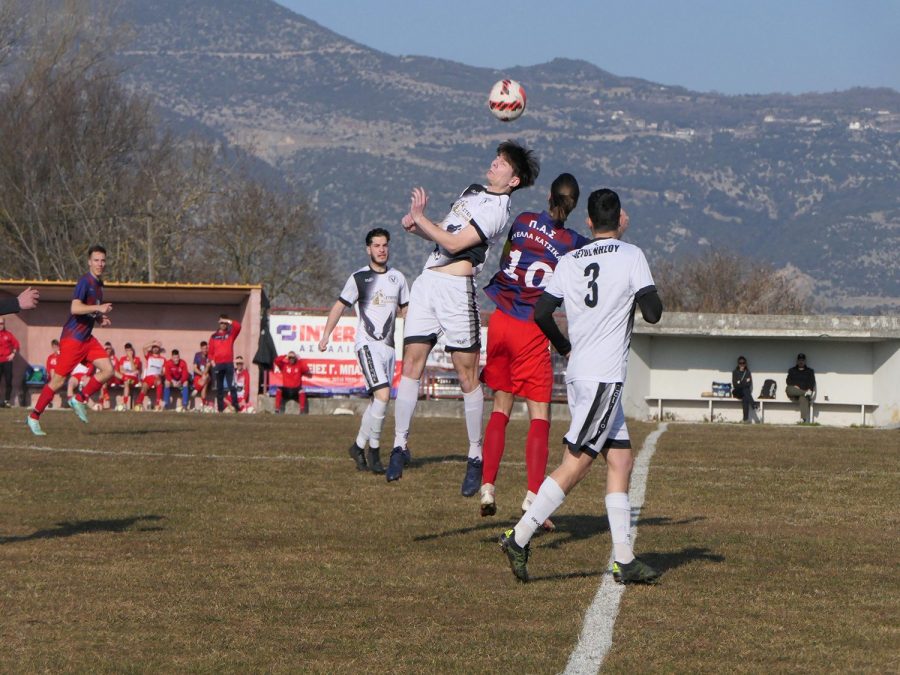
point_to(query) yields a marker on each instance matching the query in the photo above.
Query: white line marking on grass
(600, 618)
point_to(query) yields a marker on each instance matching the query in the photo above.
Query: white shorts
(377, 362)
(441, 303)
(598, 421)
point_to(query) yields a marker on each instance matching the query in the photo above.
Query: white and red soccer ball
(507, 100)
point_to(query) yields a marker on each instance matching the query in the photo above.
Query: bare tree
(727, 283)
(261, 236)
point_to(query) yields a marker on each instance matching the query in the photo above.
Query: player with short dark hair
(154, 365)
(176, 376)
(443, 298)
(600, 284)
(77, 343)
(201, 376)
(518, 352)
(380, 294)
(129, 371)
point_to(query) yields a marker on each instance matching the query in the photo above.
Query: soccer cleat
(635, 572)
(359, 456)
(488, 505)
(395, 465)
(79, 408)
(547, 525)
(35, 426)
(407, 456)
(472, 481)
(517, 556)
(375, 461)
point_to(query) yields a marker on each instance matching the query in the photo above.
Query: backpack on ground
(768, 389)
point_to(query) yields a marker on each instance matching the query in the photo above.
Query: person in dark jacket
(742, 387)
(27, 299)
(801, 386)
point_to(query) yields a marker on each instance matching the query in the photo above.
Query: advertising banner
(336, 370)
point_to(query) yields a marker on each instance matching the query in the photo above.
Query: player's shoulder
(473, 190)
(395, 275)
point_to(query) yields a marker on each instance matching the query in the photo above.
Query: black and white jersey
(487, 212)
(378, 296)
(598, 284)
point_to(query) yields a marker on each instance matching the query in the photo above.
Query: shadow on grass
(662, 562)
(131, 431)
(69, 529)
(437, 459)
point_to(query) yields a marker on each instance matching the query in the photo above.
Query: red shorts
(200, 382)
(130, 377)
(113, 382)
(72, 352)
(151, 380)
(518, 358)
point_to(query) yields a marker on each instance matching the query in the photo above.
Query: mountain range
(809, 183)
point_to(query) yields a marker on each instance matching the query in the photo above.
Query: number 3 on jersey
(592, 271)
(536, 276)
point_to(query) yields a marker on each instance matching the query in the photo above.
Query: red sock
(494, 444)
(91, 388)
(537, 449)
(140, 398)
(43, 401)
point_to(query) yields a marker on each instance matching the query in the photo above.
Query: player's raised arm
(451, 242)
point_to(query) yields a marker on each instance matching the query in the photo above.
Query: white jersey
(598, 283)
(378, 296)
(155, 365)
(487, 212)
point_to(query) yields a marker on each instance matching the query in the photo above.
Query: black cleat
(395, 465)
(375, 461)
(517, 556)
(635, 572)
(359, 456)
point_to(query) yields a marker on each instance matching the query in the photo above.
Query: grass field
(162, 543)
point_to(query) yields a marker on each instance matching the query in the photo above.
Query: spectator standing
(742, 387)
(801, 386)
(221, 353)
(9, 347)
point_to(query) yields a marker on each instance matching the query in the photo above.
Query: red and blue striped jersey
(89, 290)
(533, 247)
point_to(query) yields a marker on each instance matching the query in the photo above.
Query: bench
(659, 403)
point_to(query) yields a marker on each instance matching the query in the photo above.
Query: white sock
(404, 409)
(377, 410)
(474, 406)
(365, 426)
(549, 498)
(618, 509)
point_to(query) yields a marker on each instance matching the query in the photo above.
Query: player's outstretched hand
(417, 202)
(28, 299)
(105, 308)
(408, 223)
(323, 345)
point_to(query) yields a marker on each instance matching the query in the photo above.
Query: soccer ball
(507, 100)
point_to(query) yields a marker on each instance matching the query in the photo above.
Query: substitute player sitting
(242, 384)
(291, 389)
(129, 371)
(443, 298)
(77, 343)
(153, 374)
(518, 353)
(176, 375)
(600, 284)
(380, 294)
(201, 369)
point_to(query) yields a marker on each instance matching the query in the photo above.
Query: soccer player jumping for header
(77, 344)
(600, 284)
(443, 298)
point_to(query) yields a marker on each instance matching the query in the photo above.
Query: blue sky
(729, 46)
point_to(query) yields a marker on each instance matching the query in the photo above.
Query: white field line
(600, 618)
(186, 455)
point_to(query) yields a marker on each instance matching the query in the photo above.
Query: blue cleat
(35, 426)
(79, 408)
(395, 465)
(472, 481)
(407, 456)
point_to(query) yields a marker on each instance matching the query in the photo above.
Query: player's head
(204, 347)
(742, 362)
(377, 245)
(564, 193)
(129, 349)
(176, 356)
(604, 210)
(515, 167)
(155, 348)
(239, 362)
(97, 260)
(223, 321)
(54, 344)
(292, 357)
(109, 348)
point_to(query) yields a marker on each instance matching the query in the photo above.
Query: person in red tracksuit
(292, 372)
(221, 354)
(9, 346)
(177, 376)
